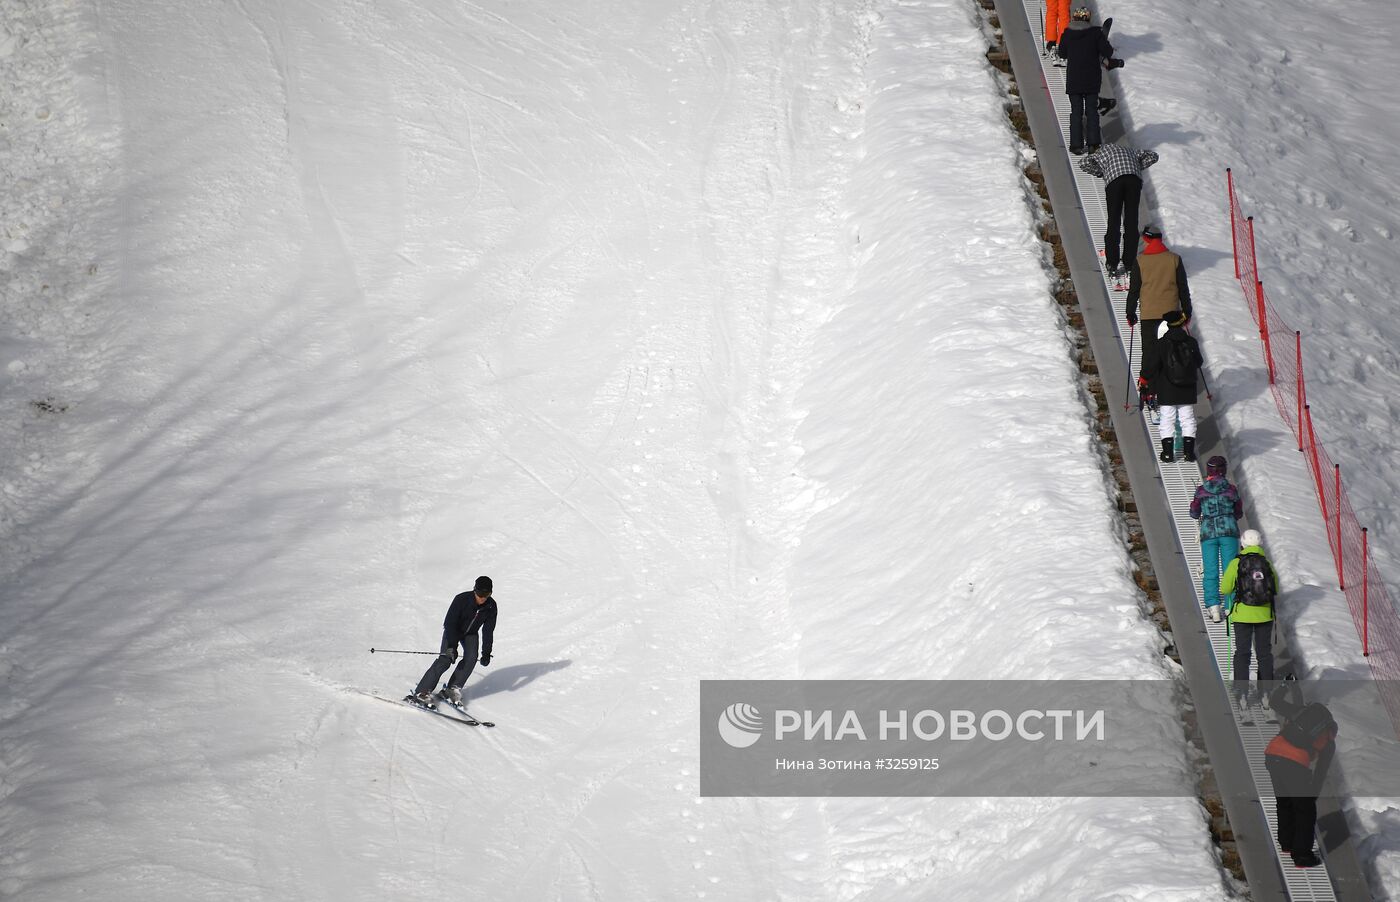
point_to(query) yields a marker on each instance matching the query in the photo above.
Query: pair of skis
(1116, 281)
(1154, 411)
(464, 718)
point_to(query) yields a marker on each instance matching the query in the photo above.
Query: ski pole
(1132, 333)
(395, 651)
(1229, 652)
(1206, 383)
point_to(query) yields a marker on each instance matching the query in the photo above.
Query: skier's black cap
(1175, 318)
(1152, 231)
(483, 586)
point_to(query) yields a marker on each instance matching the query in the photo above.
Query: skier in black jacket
(471, 613)
(1084, 49)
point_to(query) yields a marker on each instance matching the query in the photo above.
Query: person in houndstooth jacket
(1120, 166)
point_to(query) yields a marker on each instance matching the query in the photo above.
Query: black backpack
(1305, 728)
(1254, 580)
(1181, 364)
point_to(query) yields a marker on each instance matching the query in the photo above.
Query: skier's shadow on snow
(1233, 385)
(1159, 134)
(1334, 830)
(518, 676)
(1128, 45)
(1301, 598)
(1199, 259)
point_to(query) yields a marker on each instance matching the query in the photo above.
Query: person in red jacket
(1056, 19)
(1297, 760)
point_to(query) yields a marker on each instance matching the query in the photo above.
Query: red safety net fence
(1377, 624)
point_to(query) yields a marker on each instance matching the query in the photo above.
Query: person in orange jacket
(1297, 760)
(1056, 21)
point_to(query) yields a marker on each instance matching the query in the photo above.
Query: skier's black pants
(444, 660)
(1083, 119)
(1295, 804)
(1261, 634)
(1121, 197)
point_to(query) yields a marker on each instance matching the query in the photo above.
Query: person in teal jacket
(1250, 586)
(1217, 505)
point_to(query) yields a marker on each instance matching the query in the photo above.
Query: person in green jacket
(1249, 587)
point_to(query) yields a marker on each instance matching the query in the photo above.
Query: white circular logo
(740, 725)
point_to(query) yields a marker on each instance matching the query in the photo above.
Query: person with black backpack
(1297, 760)
(1169, 371)
(1250, 587)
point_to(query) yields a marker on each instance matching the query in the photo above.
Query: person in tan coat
(1156, 287)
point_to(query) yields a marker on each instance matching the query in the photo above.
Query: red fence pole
(1234, 242)
(1365, 609)
(1341, 572)
(1302, 389)
(1264, 328)
(1316, 466)
(1253, 258)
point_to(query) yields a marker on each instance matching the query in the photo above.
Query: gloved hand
(1143, 387)
(485, 660)
(1132, 320)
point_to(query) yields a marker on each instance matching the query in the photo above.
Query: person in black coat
(1085, 50)
(1170, 370)
(471, 614)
